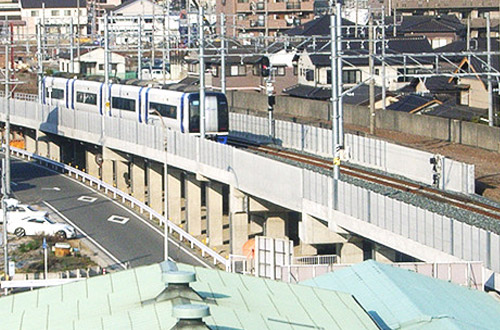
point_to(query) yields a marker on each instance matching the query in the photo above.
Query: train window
(194, 114)
(57, 93)
(123, 103)
(169, 111)
(87, 98)
(222, 113)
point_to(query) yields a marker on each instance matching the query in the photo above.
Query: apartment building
(261, 17)
(474, 11)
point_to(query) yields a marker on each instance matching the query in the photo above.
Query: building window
(295, 70)
(349, 76)
(309, 74)
(281, 71)
(101, 67)
(215, 71)
(54, 13)
(34, 13)
(67, 13)
(238, 70)
(402, 74)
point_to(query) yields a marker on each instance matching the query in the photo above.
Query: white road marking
(170, 240)
(53, 188)
(118, 219)
(86, 236)
(87, 199)
(13, 183)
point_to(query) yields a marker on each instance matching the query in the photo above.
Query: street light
(165, 243)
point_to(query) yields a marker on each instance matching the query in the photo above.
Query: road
(120, 233)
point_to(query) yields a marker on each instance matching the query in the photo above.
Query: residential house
(440, 30)
(465, 10)
(55, 15)
(91, 63)
(243, 68)
(315, 70)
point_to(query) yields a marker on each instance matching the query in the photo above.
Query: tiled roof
(427, 24)
(402, 299)
(318, 27)
(115, 301)
(412, 103)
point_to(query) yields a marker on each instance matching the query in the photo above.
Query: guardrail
(22, 96)
(205, 250)
(327, 259)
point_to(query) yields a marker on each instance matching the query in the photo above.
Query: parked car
(40, 225)
(21, 211)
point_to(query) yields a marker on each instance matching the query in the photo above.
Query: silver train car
(179, 110)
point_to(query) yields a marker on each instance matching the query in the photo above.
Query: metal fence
(374, 153)
(468, 274)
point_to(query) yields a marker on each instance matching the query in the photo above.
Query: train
(179, 110)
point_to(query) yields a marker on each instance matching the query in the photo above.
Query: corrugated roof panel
(399, 298)
(151, 282)
(97, 286)
(146, 318)
(49, 296)
(59, 320)
(73, 291)
(94, 307)
(87, 323)
(24, 301)
(236, 302)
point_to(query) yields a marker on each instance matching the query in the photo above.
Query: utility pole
(372, 71)
(40, 61)
(6, 163)
(383, 60)
(202, 72)
(72, 40)
(335, 113)
(78, 34)
(163, 57)
(491, 115)
(340, 106)
(139, 50)
(106, 75)
(223, 53)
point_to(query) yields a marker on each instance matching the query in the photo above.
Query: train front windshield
(222, 115)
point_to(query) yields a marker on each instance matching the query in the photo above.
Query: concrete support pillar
(276, 225)
(351, 252)
(155, 186)
(139, 179)
(238, 220)
(214, 213)
(122, 176)
(107, 171)
(54, 150)
(384, 254)
(30, 141)
(193, 205)
(91, 165)
(174, 195)
(42, 143)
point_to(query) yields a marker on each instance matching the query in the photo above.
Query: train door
(211, 124)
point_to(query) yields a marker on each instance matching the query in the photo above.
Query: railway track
(437, 195)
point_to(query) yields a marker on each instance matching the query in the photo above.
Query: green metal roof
(113, 301)
(402, 299)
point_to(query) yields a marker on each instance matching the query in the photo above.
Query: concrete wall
(467, 133)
